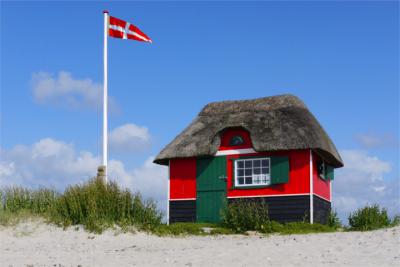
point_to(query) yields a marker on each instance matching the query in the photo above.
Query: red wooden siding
(299, 175)
(183, 173)
(321, 186)
(183, 178)
(227, 136)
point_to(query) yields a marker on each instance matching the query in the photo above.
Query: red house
(270, 149)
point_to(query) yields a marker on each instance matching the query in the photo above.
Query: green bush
(333, 220)
(242, 215)
(369, 218)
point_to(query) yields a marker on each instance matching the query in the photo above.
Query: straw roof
(275, 123)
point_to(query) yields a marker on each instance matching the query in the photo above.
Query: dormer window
(236, 140)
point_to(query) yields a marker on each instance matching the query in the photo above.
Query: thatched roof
(275, 123)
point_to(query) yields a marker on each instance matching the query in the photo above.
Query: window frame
(235, 183)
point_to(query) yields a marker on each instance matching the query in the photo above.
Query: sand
(35, 243)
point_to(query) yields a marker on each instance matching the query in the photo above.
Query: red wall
(299, 175)
(182, 178)
(321, 186)
(183, 173)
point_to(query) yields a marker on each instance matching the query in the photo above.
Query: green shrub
(242, 215)
(369, 218)
(333, 220)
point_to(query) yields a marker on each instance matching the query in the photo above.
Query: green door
(211, 189)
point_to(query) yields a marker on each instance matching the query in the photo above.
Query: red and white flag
(122, 29)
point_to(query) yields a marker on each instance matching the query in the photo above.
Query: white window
(252, 172)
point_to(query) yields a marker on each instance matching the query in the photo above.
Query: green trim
(329, 172)
(280, 170)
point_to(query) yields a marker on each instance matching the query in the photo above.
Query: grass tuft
(93, 204)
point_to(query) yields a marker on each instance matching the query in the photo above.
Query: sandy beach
(35, 243)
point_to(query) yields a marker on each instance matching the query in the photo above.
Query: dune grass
(93, 204)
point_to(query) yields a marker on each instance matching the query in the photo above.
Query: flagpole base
(102, 174)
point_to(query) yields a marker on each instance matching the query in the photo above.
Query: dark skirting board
(322, 209)
(281, 209)
(182, 211)
(286, 208)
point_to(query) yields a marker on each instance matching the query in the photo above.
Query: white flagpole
(105, 100)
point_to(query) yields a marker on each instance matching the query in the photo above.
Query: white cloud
(46, 162)
(55, 163)
(371, 140)
(129, 137)
(64, 90)
(362, 182)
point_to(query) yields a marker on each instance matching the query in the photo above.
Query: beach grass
(93, 204)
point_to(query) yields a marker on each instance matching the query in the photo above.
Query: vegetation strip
(97, 207)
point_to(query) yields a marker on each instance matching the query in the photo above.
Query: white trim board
(169, 188)
(182, 199)
(311, 189)
(322, 197)
(280, 195)
(235, 151)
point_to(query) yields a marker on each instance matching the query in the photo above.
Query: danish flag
(119, 28)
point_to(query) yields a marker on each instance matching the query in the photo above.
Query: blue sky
(340, 58)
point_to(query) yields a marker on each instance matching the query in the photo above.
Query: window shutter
(329, 172)
(279, 170)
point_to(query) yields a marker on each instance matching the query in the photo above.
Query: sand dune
(38, 244)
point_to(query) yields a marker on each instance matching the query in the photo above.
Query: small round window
(237, 140)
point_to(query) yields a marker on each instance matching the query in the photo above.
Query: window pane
(257, 171)
(247, 163)
(240, 180)
(240, 172)
(264, 163)
(256, 163)
(264, 179)
(248, 172)
(264, 170)
(240, 164)
(248, 180)
(237, 140)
